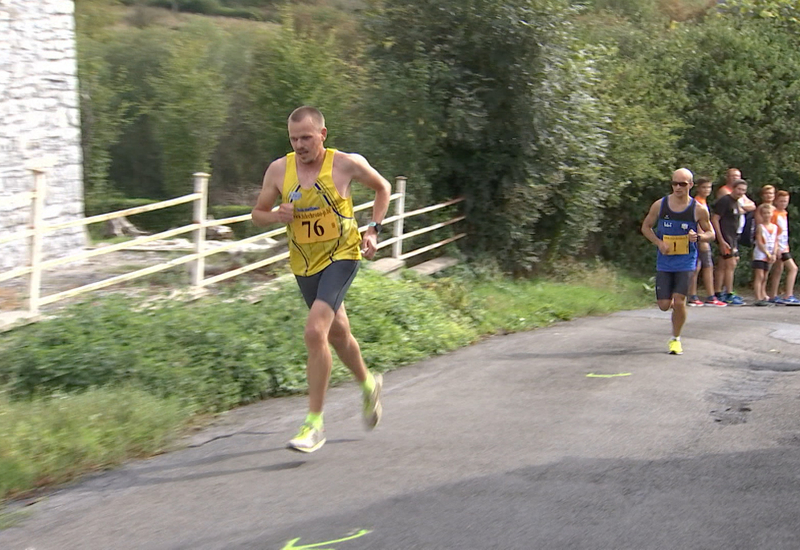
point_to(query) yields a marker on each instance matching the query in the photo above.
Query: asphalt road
(506, 444)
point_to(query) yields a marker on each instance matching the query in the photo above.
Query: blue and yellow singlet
(324, 229)
(673, 228)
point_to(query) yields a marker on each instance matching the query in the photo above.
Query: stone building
(39, 118)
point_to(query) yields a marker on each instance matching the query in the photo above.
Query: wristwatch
(377, 227)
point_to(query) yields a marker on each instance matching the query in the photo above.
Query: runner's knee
(315, 336)
(339, 334)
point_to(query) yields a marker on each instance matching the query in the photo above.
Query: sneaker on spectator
(791, 301)
(762, 303)
(733, 300)
(715, 302)
(695, 301)
(777, 300)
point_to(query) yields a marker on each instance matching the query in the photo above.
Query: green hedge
(217, 353)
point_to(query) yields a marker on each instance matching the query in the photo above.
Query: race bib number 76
(315, 226)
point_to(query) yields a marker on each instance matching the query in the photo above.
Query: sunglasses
(681, 183)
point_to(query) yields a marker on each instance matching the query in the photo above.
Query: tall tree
(191, 105)
(506, 91)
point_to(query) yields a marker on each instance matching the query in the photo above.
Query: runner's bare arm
(707, 234)
(761, 242)
(724, 246)
(362, 172)
(647, 227)
(263, 213)
(747, 204)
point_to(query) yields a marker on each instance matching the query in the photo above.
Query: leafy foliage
(219, 353)
(505, 93)
(558, 120)
(191, 107)
(743, 97)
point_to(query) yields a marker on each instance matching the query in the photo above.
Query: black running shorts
(329, 285)
(672, 282)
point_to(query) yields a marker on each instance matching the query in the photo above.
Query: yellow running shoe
(308, 439)
(372, 404)
(675, 347)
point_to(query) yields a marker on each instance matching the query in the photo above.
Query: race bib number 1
(315, 226)
(678, 244)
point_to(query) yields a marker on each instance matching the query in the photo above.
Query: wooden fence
(38, 229)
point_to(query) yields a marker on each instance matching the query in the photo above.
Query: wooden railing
(38, 229)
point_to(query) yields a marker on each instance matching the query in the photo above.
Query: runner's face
(768, 195)
(704, 190)
(781, 203)
(307, 139)
(681, 186)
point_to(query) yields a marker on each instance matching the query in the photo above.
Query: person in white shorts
(765, 251)
(784, 261)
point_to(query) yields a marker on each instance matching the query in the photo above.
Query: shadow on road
(697, 503)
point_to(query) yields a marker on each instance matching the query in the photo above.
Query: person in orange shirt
(784, 261)
(705, 261)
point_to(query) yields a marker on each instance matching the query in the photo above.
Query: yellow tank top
(324, 229)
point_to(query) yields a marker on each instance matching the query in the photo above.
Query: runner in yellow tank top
(323, 229)
(324, 252)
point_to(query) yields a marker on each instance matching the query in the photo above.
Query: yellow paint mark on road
(290, 545)
(593, 375)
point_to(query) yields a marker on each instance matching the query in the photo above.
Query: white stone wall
(39, 117)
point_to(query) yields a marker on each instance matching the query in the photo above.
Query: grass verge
(108, 380)
(50, 440)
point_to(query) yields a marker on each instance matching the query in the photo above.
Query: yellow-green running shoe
(308, 439)
(372, 404)
(675, 347)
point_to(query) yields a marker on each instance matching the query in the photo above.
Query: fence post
(37, 215)
(200, 211)
(399, 211)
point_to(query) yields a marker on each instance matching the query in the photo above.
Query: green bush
(219, 353)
